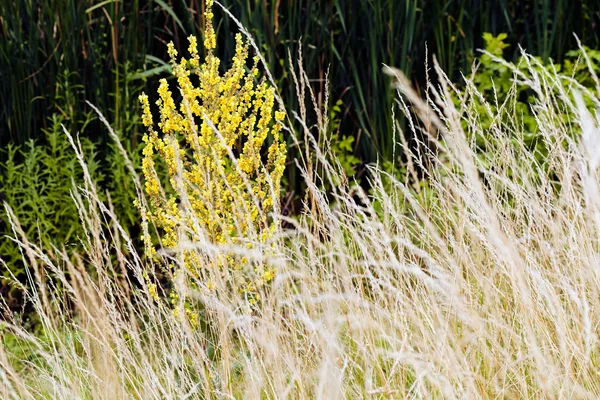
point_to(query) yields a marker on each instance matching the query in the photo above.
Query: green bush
(36, 181)
(507, 93)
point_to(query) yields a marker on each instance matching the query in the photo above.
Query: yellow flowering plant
(225, 179)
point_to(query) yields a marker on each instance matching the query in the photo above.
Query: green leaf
(150, 72)
(168, 9)
(101, 4)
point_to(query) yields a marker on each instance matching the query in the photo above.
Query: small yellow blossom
(171, 50)
(146, 114)
(279, 115)
(152, 291)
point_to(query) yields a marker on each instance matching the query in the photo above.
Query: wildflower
(228, 199)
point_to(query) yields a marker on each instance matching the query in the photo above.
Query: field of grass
(479, 280)
(326, 226)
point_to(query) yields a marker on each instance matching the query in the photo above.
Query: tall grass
(58, 53)
(481, 283)
(351, 39)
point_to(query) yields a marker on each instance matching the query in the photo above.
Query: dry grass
(483, 285)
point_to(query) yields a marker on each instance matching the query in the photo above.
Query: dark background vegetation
(56, 54)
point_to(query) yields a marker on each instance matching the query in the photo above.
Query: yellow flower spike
(230, 207)
(152, 291)
(209, 33)
(171, 51)
(146, 114)
(193, 48)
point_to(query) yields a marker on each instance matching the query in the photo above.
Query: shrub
(495, 78)
(37, 180)
(212, 146)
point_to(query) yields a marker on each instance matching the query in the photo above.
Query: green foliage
(580, 70)
(37, 181)
(495, 44)
(39, 190)
(341, 146)
(508, 96)
(344, 153)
